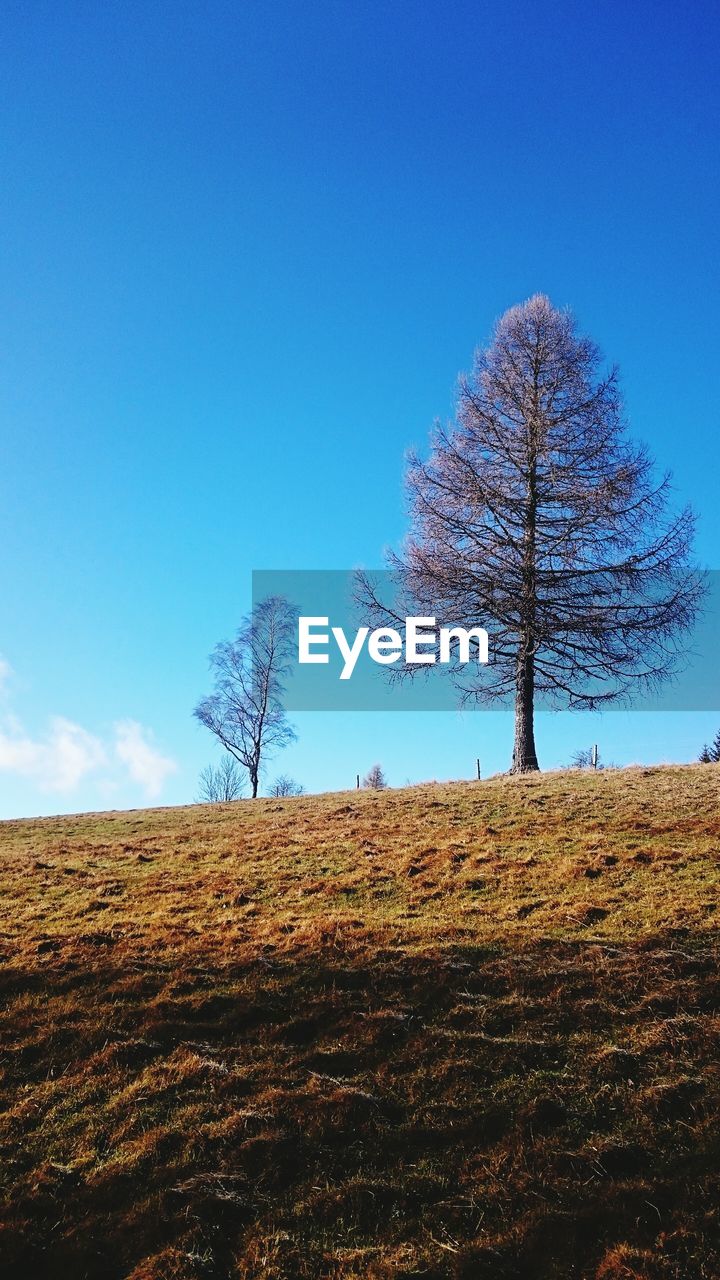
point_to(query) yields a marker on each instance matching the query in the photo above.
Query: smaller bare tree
(284, 786)
(374, 779)
(586, 760)
(222, 783)
(245, 712)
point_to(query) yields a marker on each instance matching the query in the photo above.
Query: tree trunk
(524, 755)
(254, 778)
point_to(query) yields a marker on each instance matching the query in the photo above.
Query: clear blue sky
(246, 249)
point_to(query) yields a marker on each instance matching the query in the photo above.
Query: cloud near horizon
(144, 764)
(66, 754)
(58, 760)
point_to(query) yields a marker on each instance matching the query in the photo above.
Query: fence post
(477, 762)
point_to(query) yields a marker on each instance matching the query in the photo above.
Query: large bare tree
(535, 513)
(245, 710)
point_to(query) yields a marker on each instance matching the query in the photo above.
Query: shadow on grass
(547, 1112)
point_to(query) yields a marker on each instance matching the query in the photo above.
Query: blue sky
(246, 250)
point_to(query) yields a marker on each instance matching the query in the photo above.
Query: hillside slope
(467, 1030)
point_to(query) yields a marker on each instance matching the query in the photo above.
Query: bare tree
(218, 784)
(374, 779)
(284, 786)
(245, 711)
(536, 514)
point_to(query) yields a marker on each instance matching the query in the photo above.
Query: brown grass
(462, 1031)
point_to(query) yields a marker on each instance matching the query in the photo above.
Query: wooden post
(477, 762)
(357, 781)
(594, 756)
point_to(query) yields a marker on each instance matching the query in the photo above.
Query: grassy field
(464, 1031)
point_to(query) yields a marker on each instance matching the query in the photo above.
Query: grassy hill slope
(461, 1031)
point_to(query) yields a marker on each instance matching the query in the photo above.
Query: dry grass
(461, 1031)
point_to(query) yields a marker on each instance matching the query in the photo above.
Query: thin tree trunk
(524, 755)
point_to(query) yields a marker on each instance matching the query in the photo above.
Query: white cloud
(65, 754)
(144, 764)
(58, 761)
